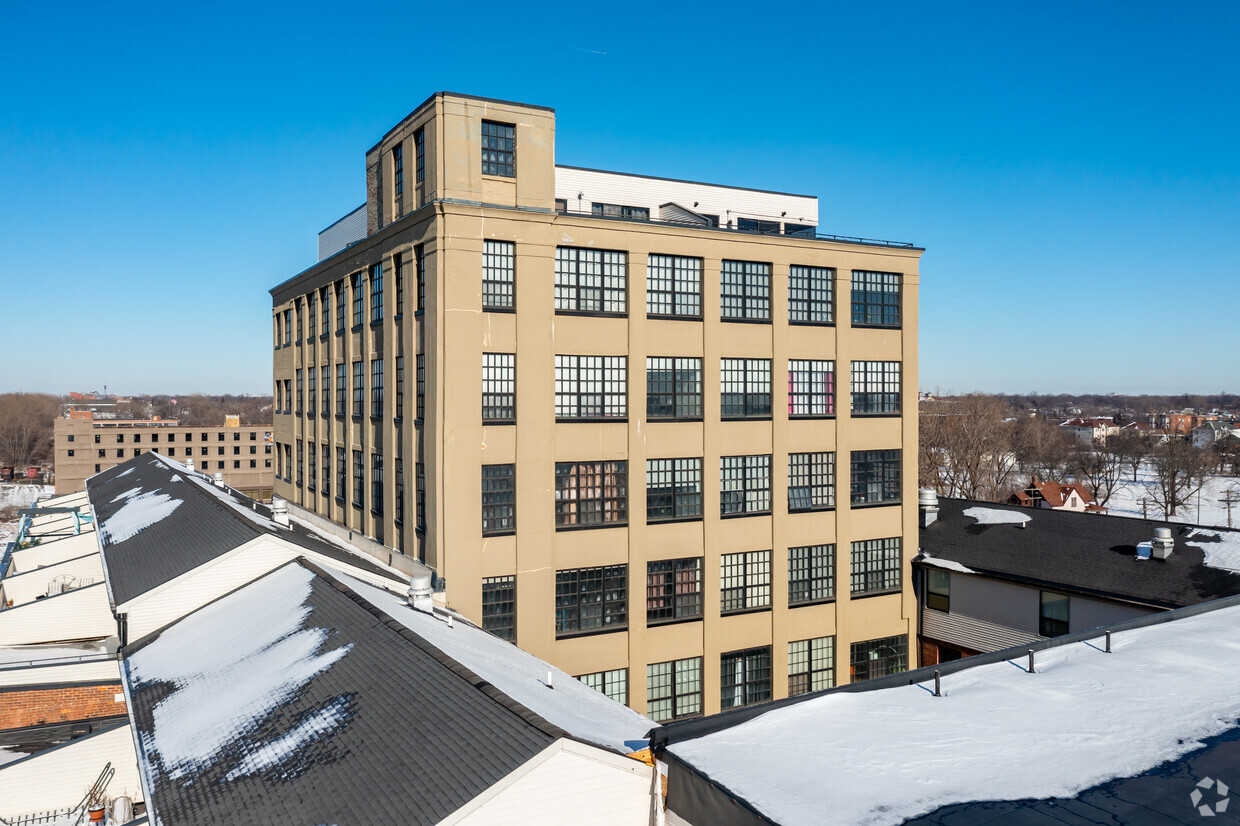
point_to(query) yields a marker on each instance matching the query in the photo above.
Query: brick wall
(58, 704)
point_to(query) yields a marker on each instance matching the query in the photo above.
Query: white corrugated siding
(59, 777)
(52, 551)
(711, 199)
(577, 784)
(83, 614)
(348, 230)
(971, 633)
(26, 586)
(87, 672)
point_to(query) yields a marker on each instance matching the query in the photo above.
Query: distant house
(1055, 496)
(1091, 432)
(1212, 432)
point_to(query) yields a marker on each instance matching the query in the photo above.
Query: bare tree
(1099, 470)
(1043, 450)
(26, 428)
(1179, 472)
(1131, 449)
(966, 448)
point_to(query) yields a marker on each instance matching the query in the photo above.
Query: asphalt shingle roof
(419, 735)
(202, 527)
(1090, 553)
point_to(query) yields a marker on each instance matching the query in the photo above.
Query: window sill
(340, 332)
(324, 336)
(807, 603)
(678, 621)
(744, 611)
(509, 310)
(868, 594)
(593, 420)
(593, 632)
(489, 534)
(820, 509)
(357, 506)
(356, 328)
(743, 515)
(419, 313)
(857, 326)
(376, 418)
(398, 316)
(592, 313)
(811, 323)
(376, 323)
(812, 417)
(567, 528)
(495, 422)
(876, 415)
(310, 339)
(675, 520)
(340, 501)
(744, 418)
(374, 512)
(745, 320)
(662, 317)
(673, 419)
(863, 505)
(356, 417)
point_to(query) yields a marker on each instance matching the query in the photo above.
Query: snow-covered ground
(1126, 501)
(18, 496)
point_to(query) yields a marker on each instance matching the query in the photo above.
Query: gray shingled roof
(201, 527)
(414, 736)
(1089, 553)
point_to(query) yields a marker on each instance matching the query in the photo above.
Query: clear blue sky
(1073, 170)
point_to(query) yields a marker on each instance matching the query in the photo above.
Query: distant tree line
(1122, 407)
(197, 409)
(26, 428)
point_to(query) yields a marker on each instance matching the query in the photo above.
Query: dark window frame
(591, 494)
(499, 499)
(1050, 625)
(675, 590)
(864, 665)
(499, 275)
(499, 149)
(811, 574)
(499, 388)
(745, 582)
(499, 606)
(591, 600)
(811, 388)
(876, 477)
(811, 668)
(876, 298)
(674, 489)
(811, 295)
(876, 566)
(673, 286)
(677, 397)
(586, 281)
(664, 685)
(939, 590)
(876, 388)
(745, 291)
(591, 388)
(745, 485)
(811, 481)
(747, 382)
(745, 677)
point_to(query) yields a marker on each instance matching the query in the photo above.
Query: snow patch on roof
(138, 513)
(998, 733)
(945, 564)
(225, 683)
(1224, 553)
(123, 473)
(571, 705)
(995, 516)
(225, 497)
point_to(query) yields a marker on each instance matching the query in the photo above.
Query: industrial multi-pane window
(745, 582)
(591, 599)
(341, 479)
(341, 409)
(876, 298)
(359, 299)
(288, 327)
(674, 689)
(591, 494)
(871, 659)
(297, 310)
(359, 479)
(811, 295)
(420, 396)
(673, 388)
(673, 489)
(811, 665)
(673, 590)
(939, 590)
(1053, 614)
(498, 149)
(875, 567)
(745, 677)
(499, 606)
(499, 387)
(674, 286)
(400, 387)
(312, 316)
(745, 484)
(811, 481)
(399, 516)
(398, 173)
(591, 387)
(359, 389)
(419, 272)
(875, 388)
(620, 211)
(376, 387)
(745, 291)
(301, 462)
(499, 275)
(419, 152)
(419, 483)
(376, 293)
(591, 281)
(326, 310)
(875, 477)
(811, 574)
(327, 471)
(499, 499)
(398, 267)
(312, 392)
(745, 387)
(300, 389)
(288, 396)
(312, 472)
(340, 309)
(615, 684)
(376, 482)
(811, 388)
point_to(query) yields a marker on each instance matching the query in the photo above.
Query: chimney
(219, 479)
(419, 595)
(928, 506)
(279, 511)
(1163, 544)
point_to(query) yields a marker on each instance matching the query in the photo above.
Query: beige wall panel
(805, 342)
(816, 528)
(744, 533)
(499, 555)
(879, 433)
(582, 441)
(670, 541)
(592, 336)
(497, 445)
(877, 523)
(743, 438)
(744, 631)
(590, 547)
(814, 436)
(672, 338)
(597, 652)
(670, 440)
(878, 345)
(744, 341)
(810, 621)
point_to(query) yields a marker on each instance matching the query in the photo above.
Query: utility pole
(1230, 497)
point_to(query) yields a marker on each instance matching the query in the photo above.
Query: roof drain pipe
(279, 511)
(419, 595)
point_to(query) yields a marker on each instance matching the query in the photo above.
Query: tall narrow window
(811, 388)
(499, 499)
(359, 390)
(745, 385)
(297, 310)
(745, 484)
(811, 295)
(591, 494)
(811, 574)
(359, 479)
(746, 582)
(341, 385)
(1053, 615)
(745, 291)
(875, 388)
(288, 327)
(876, 566)
(376, 293)
(312, 316)
(875, 477)
(400, 387)
(327, 471)
(499, 387)
(419, 151)
(301, 463)
(591, 281)
(499, 606)
(398, 267)
(312, 472)
(939, 590)
(420, 395)
(745, 677)
(341, 478)
(399, 477)
(674, 689)
(591, 387)
(673, 388)
(420, 491)
(811, 481)
(673, 590)
(359, 298)
(811, 665)
(325, 305)
(499, 145)
(875, 298)
(376, 483)
(673, 286)
(419, 272)
(312, 392)
(499, 275)
(673, 489)
(376, 388)
(300, 390)
(340, 308)
(398, 175)
(591, 599)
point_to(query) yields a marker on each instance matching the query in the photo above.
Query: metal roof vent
(419, 595)
(219, 479)
(1163, 544)
(279, 511)
(189, 465)
(928, 506)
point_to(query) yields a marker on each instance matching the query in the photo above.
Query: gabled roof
(1083, 552)
(295, 700)
(157, 520)
(1056, 494)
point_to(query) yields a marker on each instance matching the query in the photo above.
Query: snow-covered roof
(1084, 717)
(997, 516)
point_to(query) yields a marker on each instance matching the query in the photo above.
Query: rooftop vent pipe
(419, 595)
(219, 479)
(279, 511)
(189, 465)
(1163, 544)
(928, 506)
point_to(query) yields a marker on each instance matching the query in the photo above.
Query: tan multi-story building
(86, 446)
(660, 433)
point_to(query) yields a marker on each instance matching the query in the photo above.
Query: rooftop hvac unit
(61, 584)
